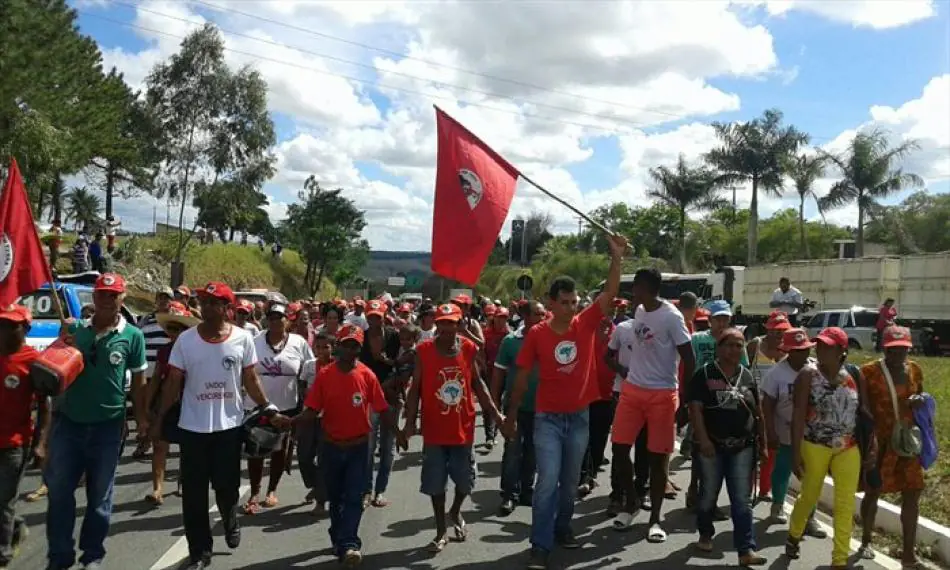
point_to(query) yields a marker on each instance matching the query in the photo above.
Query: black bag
(260, 438)
(170, 430)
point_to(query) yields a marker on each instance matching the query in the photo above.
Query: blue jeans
(517, 462)
(560, 441)
(385, 439)
(75, 449)
(345, 471)
(735, 467)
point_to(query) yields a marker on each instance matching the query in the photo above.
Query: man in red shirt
(564, 350)
(346, 391)
(444, 380)
(16, 425)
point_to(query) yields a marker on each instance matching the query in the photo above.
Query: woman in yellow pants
(827, 408)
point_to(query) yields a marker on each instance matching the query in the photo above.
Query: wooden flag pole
(586, 218)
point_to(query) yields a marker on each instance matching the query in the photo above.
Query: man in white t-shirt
(787, 299)
(214, 360)
(649, 397)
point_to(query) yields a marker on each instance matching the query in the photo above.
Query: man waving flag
(474, 187)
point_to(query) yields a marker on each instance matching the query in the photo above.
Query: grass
(241, 267)
(935, 501)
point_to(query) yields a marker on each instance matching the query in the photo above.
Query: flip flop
(460, 529)
(380, 502)
(252, 508)
(270, 501)
(438, 545)
(865, 552)
(37, 494)
(656, 534)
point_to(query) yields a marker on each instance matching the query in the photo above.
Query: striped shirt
(155, 338)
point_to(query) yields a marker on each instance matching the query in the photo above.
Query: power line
(410, 76)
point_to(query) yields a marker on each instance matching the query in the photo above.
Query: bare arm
(613, 362)
(799, 411)
(768, 416)
(484, 396)
(172, 389)
(618, 245)
(518, 391)
(497, 383)
(252, 385)
(412, 400)
(139, 396)
(685, 351)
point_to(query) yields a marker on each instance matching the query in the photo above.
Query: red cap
(183, 291)
(244, 306)
(702, 314)
(293, 309)
(490, 310)
(462, 299)
(502, 312)
(795, 339)
(376, 307)
(833, 336)
(217, 290)
(16, 314)
(894, 336)
(448, 312)
(350, 332)
(778, 322)
(405, 308)
(111, 282)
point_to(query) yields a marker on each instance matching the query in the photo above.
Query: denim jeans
(12, 464)
(76, 449)
(518, 461)
(311, 470)
(735, 468)
(385, 439)
(344, 469)
(559, 444)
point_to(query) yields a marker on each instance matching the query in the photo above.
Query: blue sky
(824, 65)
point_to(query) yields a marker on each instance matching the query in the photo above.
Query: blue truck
(75, 292)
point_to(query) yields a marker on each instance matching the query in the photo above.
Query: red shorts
(653, 409)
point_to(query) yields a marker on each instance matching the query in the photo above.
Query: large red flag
(23, 266)
(474, 187)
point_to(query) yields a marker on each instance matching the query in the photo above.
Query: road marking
(177, 554)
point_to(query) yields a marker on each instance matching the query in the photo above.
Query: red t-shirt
(16, 397)
(493, 338)
(885, 315)
(564, 362)
(446, 394)
(605, 374)
(346, 398)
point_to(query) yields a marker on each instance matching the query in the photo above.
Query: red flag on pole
(474, 187)
(23, 266)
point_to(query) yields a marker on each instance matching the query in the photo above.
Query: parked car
(858, 322)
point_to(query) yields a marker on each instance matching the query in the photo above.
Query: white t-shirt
(211, 401)
(427, 334)
(252, 328)
(793, 295)
(779, 384)
(278, 371)
(358, 320)
(654, 357)
(622, 341)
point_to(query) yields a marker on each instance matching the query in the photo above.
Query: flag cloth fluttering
(23, 266)
(474, 187)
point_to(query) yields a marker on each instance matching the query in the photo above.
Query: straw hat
(177, 313)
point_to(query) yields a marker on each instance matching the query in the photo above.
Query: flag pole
(586, 218)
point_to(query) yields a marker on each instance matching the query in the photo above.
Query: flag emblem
(565, 352)
(6, 257)
(471, 187)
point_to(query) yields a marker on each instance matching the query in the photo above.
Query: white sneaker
(623, 521)
(778, 515)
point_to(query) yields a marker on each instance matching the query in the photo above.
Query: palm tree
(869, 174)
(686, 189)
(83, 207)
(755, 152)
(804, 170)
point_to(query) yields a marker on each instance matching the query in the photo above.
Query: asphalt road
(287, 536)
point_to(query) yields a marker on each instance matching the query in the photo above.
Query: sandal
(438, 545)
(38, 494)
(380, 502)
(656, 534)
(252, 507)
(270, 501)
(154, 499)
(460, 529)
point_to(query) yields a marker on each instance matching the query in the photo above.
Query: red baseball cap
(833, 336)
(350, 332)
(448, 312)
(490, 310)
(376, 307)
(894, 336)
(217, 290)
(778, 322)
(405, 308)
(244, 306)
(795, 339)
(16, 314)
(701, 314)
(110, 282)
(462, 299)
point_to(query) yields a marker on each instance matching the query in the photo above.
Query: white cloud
(541, 86)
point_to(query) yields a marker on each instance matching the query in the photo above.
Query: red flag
(23, 266)
(474, 187)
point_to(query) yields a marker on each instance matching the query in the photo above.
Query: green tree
(82, 208)
(325, 227)
(869, 173)
(755, 152)
(918, 224)
(804, 170)
(686, 190)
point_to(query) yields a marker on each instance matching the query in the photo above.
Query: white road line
(175, 555)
